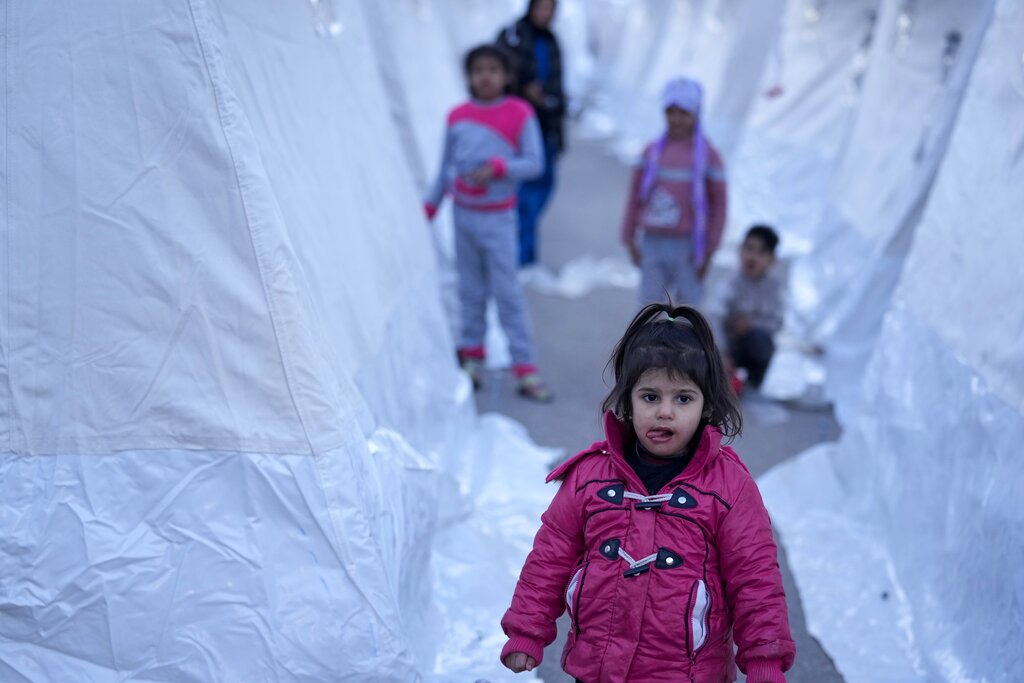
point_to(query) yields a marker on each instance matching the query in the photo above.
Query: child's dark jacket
(711, 572)
(519, 39)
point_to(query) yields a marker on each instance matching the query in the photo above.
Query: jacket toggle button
(636, 571)
(681, 499)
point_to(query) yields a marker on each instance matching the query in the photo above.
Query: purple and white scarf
(687, 95)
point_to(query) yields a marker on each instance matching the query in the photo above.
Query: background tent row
(227, 363)
(883, 139)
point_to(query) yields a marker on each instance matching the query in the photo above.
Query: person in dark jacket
(538, 81)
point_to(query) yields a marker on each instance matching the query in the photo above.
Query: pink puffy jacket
(656, 586)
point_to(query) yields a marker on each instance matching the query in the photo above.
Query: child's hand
(519, 661)
(534, 91)
(481, 175)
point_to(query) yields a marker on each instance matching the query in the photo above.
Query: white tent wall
(65, 300)
(799, 121)
(627, 39)
(650, 42)
(421, 73)
(227, 391)
(916, 74)
(471, 22)
(907, 537)
(572, 28)
(729, 57)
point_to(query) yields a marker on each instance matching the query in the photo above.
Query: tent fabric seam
(8, 190)
(212, 63)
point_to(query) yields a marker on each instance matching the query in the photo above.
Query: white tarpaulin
(799, 121)
(921, 60)
(643, 45)
(907, 537)
(421, 90)
(471, 22)
(230, 422)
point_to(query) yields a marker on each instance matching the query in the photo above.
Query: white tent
(642, 45)
(800, 121)
(472, 22)
(231, 423)
(906, 537)
(921, 60)
(233, 434)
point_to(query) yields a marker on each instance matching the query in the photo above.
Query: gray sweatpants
(666, 264)
(487, 259)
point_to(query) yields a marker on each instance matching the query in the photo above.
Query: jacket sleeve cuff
(527, 646)
(765, 671)
(499, 166)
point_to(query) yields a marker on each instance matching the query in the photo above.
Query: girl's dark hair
(677, 339)
(494, 52)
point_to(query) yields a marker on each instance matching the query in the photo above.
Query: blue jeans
(533, 197)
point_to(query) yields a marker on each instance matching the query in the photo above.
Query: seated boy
(753, 306)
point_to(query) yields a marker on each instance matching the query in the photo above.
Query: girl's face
(666, 411)
(680, 123)
(487, 78)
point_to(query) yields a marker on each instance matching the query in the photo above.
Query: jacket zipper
(572, 596)
(700, 607)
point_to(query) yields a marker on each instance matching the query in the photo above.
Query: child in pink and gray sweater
(492, 143)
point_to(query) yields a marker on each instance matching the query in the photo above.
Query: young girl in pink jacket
(657, 542)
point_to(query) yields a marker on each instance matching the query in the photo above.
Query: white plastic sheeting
(421, 71)
(800, 120)
(641, 45)
(471, 22)
(571, 25)
(907, 537)
(921, 59)
(230, 424)
(477, 562)
(420, 93)
(581, 275)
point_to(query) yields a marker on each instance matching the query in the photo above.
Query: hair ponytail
(682, 343)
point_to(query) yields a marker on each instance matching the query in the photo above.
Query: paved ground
(574, 340)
